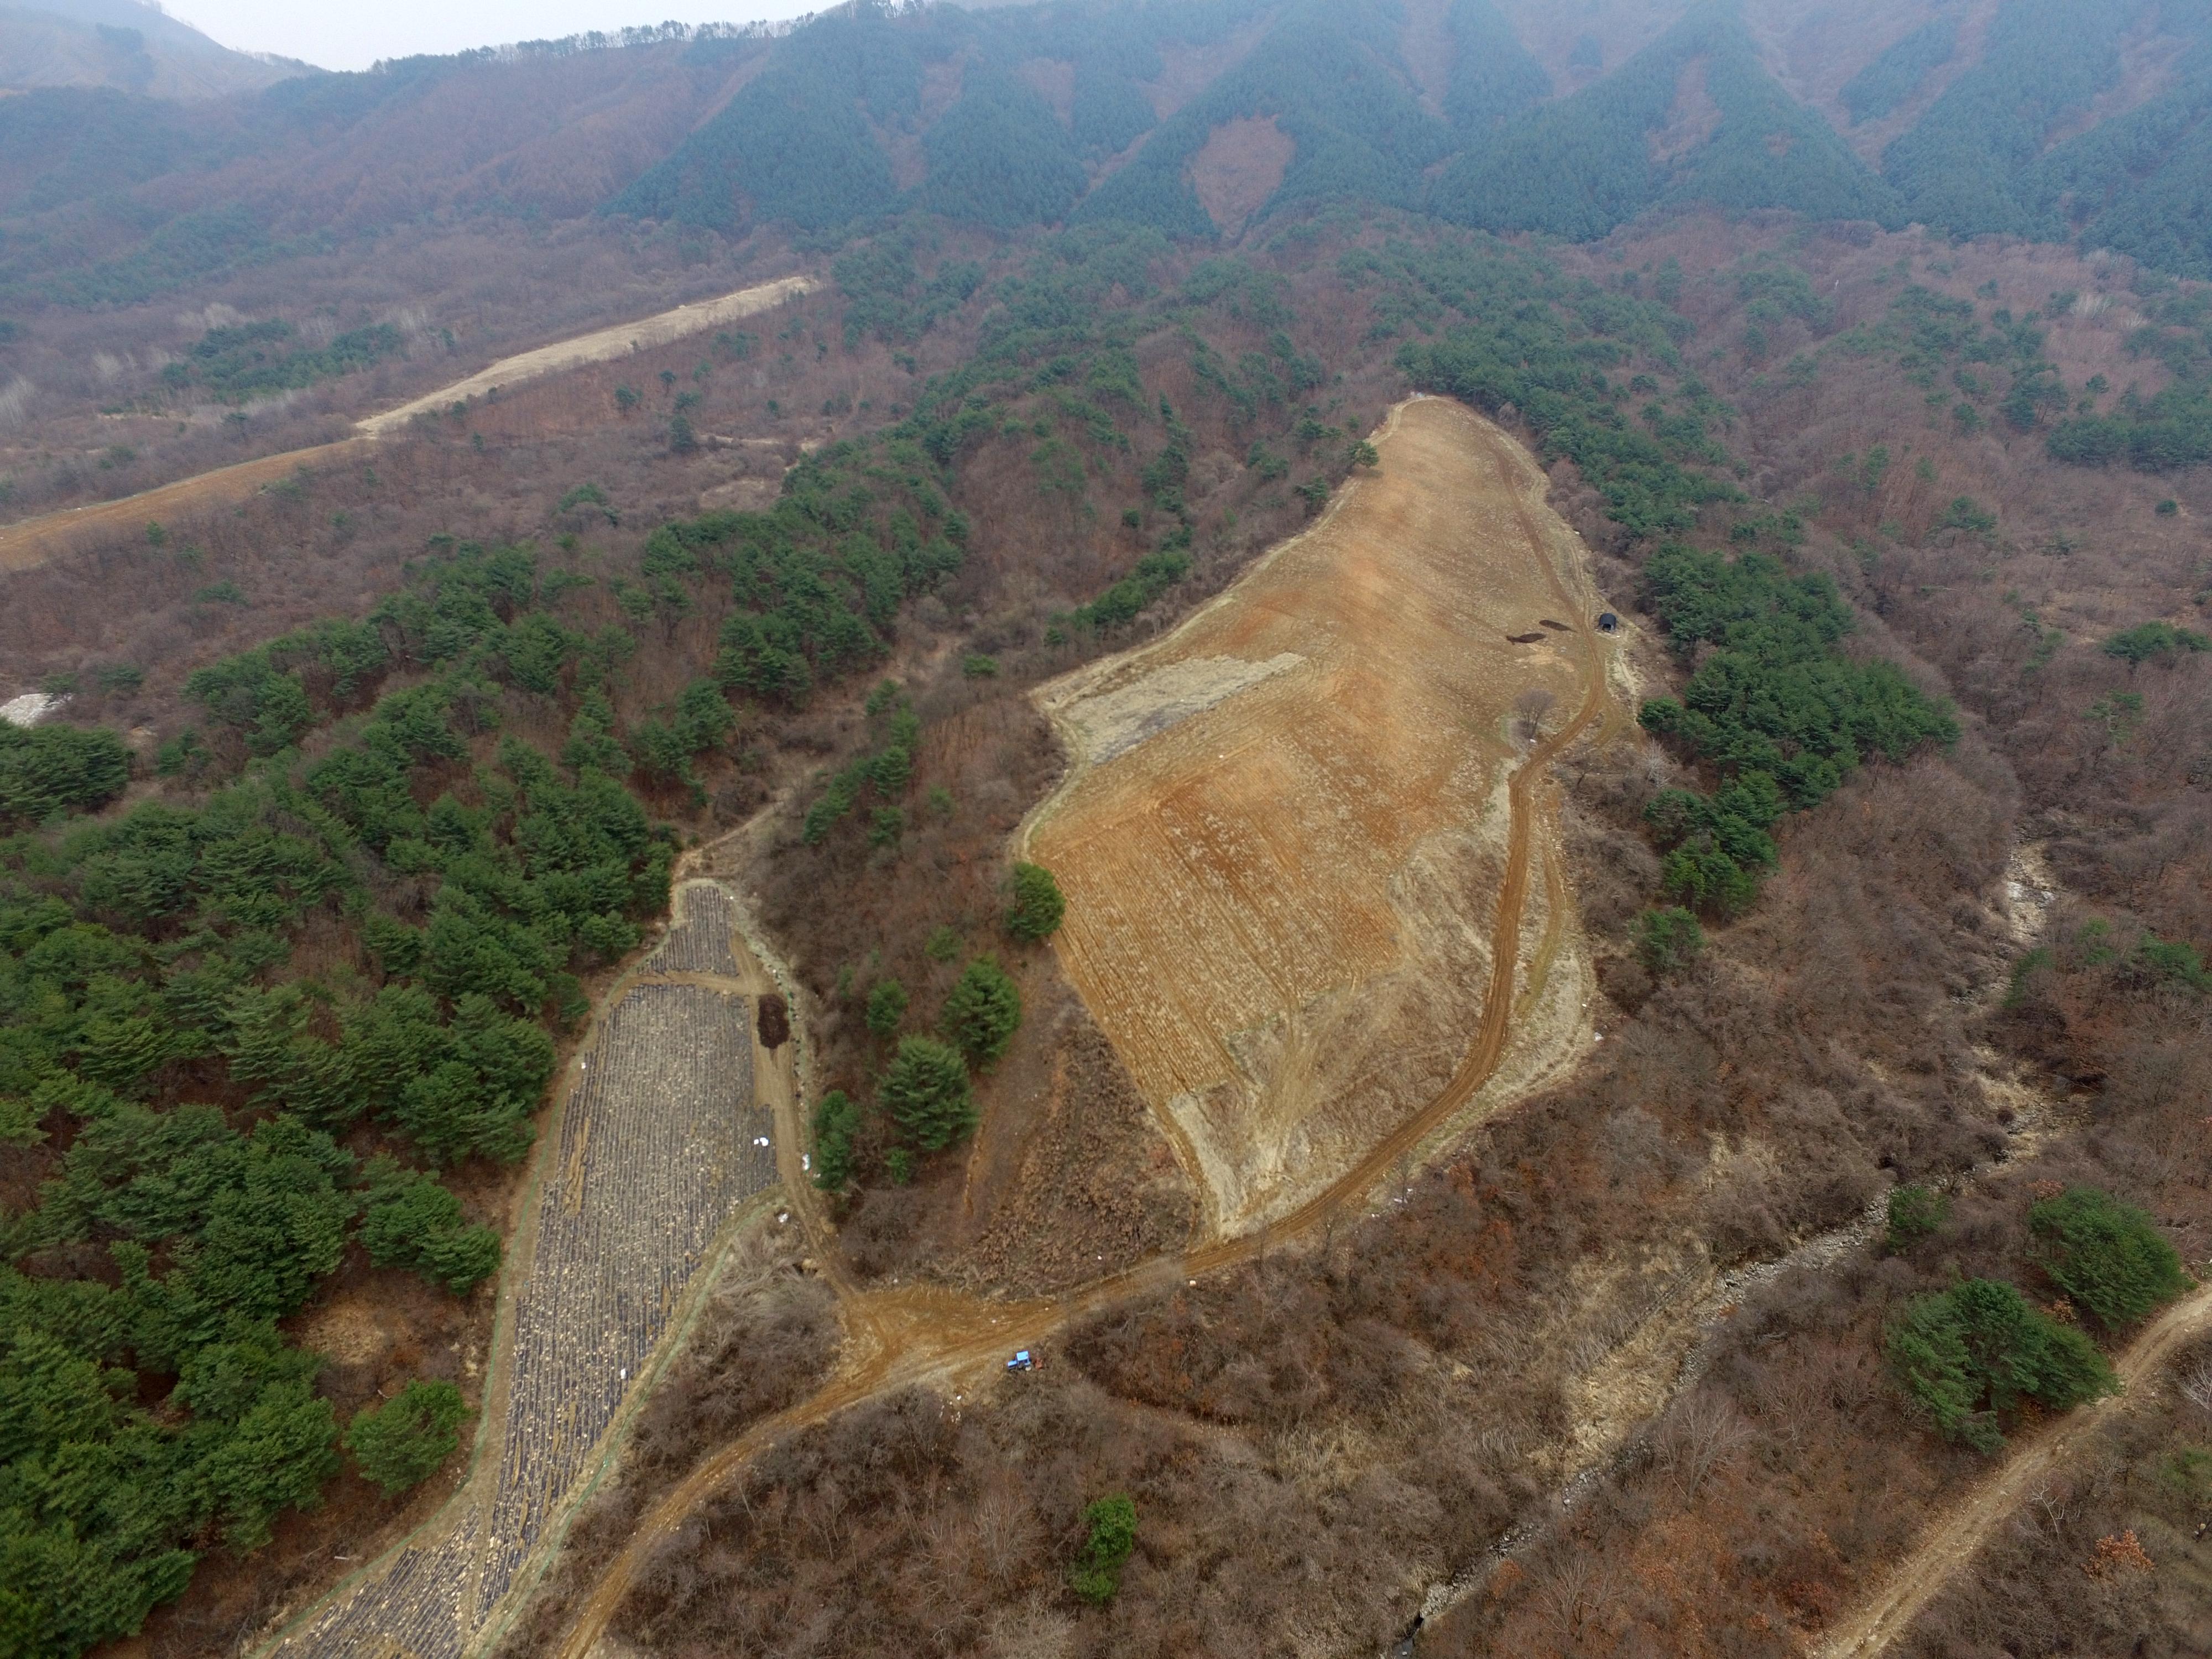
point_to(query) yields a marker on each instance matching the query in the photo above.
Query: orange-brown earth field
(1284, 832)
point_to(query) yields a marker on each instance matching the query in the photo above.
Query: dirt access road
(900, 1337)
(1952, 1542)
(32, 542)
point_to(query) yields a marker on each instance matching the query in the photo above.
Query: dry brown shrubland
(1370, 1417)
(766, 1337)
(461, 296)
(1315, 1440)
(1834, 1477)
(332, 541)
(2059, 1578)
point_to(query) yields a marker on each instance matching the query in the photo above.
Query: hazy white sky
(344, 34)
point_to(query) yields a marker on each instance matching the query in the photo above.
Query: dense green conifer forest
(1580, 167)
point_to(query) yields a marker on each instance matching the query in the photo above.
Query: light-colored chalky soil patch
(1282, 838)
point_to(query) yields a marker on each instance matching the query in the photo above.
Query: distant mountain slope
(1694, 117)
(1323, 104)
(1966, 165)
(819, 137)
(2053, 119)
(2058, 130)
(125, 45)
(1493, 77)
(108, 199)
(1902, 68)
(1328, 79)
(2141, 183)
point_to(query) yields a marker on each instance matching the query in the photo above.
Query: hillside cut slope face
(1284, 835)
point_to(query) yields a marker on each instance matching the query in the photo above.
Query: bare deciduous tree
(1005, 1529)
(1531, 708)
(1703, 1435)
(1792, 1404)
(1576, 1595)
(2194, 1382)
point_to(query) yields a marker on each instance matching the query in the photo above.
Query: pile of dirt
(1093, 1188)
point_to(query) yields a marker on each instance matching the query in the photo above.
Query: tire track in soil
(901, 1338)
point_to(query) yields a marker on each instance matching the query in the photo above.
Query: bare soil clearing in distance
(1284, 833)
(600, 346)
(33, 541)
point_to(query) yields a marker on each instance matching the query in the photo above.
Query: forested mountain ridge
(109, 199)
(2054, 119)
(1692, 118)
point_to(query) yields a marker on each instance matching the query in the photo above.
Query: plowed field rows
(657, 1148)
(1282, 838)
(702, 944)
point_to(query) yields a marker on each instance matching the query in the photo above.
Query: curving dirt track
(655, 1155)
(31, 542)
(898, 1338)
(1952, 1542)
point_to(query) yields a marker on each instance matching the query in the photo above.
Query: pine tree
(401, 1443)
(984, 1011)
(1038, 905)
(927, 1092)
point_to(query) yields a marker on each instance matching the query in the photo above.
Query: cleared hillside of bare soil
(1283, 837)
